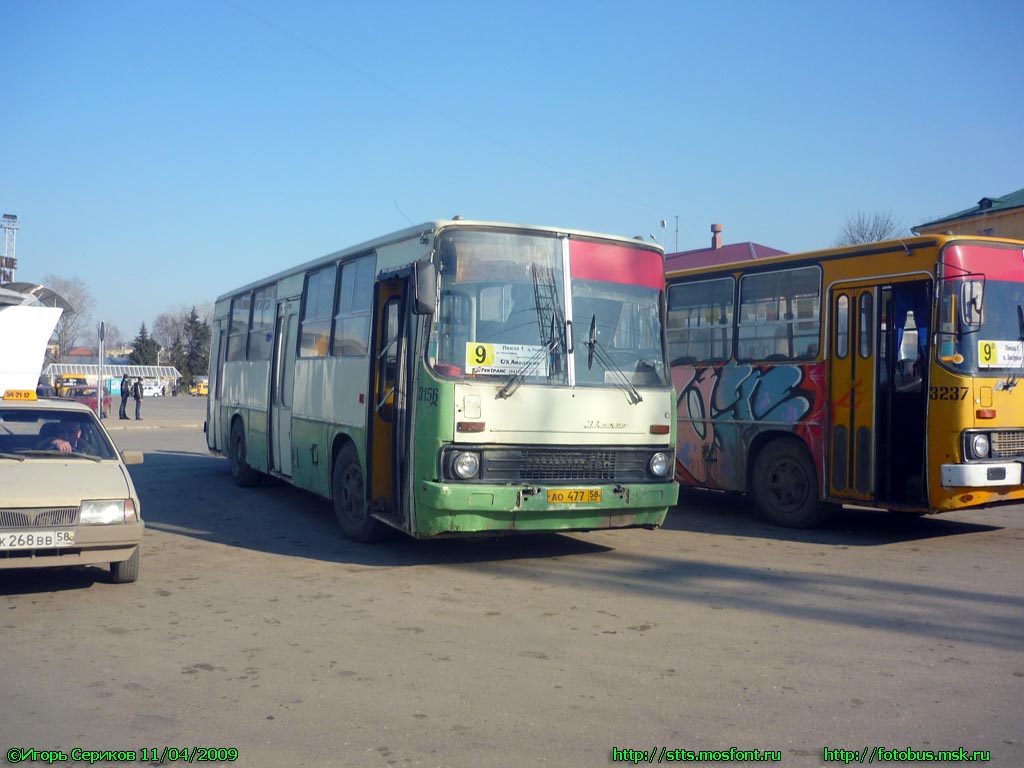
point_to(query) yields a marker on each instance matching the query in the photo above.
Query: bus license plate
(574, 496)
(36, 539)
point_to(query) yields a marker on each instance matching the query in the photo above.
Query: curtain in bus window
(316, 312)
(355, 297)
(911, 310)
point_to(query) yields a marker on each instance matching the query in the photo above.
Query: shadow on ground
(736, 515)
(193, 495)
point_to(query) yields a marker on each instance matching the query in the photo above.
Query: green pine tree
(144, 349)
(197, 346)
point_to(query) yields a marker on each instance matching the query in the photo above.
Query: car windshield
(49, 432)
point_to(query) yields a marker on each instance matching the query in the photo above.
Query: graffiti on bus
(721, 410)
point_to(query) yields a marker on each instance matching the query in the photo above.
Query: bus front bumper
(454, 509)
(985, 475)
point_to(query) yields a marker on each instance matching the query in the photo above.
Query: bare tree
(113, 337)
(169, 326)
(865, 228)
(177, 333)
(74, 324)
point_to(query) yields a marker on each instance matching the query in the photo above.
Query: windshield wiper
(14, 456)
(60, 454)
(595, 349)
(517, 378)
(1011, 378)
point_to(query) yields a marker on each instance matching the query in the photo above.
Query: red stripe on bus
(994, 262)
(616, 264)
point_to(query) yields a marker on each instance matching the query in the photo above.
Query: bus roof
(433, 227)
(905, 244)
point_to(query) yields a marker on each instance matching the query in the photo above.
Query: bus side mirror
(424, 287)
(972, 302)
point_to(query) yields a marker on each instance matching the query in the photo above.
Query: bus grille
(565, 465)
(38, 517)
(1006, 445)
(570, 465)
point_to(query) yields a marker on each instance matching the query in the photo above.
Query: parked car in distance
(69, 381)
(67, 497)
(152, 389)
(87, 396)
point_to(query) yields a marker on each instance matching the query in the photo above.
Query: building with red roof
(718, 253)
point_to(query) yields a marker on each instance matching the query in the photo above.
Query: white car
(67, 498)
(152, 389)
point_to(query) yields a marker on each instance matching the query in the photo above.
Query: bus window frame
(729, 325)
(788, 321)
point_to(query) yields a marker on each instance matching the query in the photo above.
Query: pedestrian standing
(126, 392)
(137, 394)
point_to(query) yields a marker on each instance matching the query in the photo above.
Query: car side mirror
(132, 457)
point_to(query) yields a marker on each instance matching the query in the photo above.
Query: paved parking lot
(255, 626)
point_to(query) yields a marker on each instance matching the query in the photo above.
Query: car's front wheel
(126, 571)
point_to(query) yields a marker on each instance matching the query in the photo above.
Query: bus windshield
(616, 291)
(504, 312)
(980, 331)
(981, 311)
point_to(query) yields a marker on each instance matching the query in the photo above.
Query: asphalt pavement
(182, 412)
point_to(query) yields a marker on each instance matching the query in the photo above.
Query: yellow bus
(880, 375)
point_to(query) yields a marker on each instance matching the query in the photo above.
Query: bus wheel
(349, 492)
(242, 473)
(785, 486)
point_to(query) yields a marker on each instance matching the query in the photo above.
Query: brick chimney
(716, 236)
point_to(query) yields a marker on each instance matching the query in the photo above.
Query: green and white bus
(456, 378)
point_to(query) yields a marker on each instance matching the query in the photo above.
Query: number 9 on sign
(481, 355)
(987, 352)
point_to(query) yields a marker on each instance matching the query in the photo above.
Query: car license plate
(36, 539)
(574, 496)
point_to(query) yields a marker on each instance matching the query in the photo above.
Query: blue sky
(168, 152)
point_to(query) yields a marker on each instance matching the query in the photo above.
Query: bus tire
(243, 475)
(785, 485)
(348, 490)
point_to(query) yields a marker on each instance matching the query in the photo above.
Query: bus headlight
(466, 465)
(660, 464)
(979, 446)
